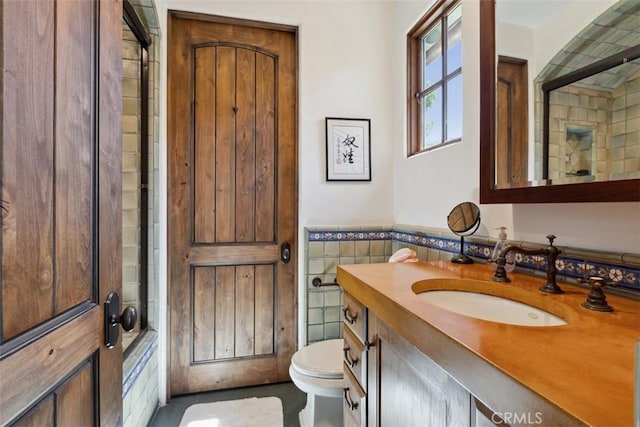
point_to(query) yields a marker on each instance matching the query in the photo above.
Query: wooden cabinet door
(412, 390)
(232, 202)
(60, 241)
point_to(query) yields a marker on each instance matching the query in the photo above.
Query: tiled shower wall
(131, 156)
(615, 120)
(328, 247)
(626, 130)
(140, 369)
(588, 109)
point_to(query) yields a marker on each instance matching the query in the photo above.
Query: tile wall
(612, 120)
(140, 368)
(579, 134)
(140, 382)
(131, 156)
(328, 247)
(626, 130)
(325, 249)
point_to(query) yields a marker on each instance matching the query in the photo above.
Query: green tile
(347, 249)
(316, 266)
(377, 247)
(330, 265)
(332, 330)
(347, 260)
(331, 249)
(332, 314)
(315, 316)
(362, 248)
(316, 249)
(316, 299)
(332, 298)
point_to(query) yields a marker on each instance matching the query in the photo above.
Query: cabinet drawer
(355, 357)
(354, 402)
(355, 317)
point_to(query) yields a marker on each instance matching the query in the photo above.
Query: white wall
(428, 185)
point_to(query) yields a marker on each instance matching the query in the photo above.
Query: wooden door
(512, 132)
(60, 241)
(232, 201)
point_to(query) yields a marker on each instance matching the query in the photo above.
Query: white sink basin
(489, 307)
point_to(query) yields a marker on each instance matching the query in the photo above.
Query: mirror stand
(463, 220)
(462, 258)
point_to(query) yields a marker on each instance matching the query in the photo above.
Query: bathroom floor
(293, 400)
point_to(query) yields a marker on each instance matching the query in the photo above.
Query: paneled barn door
(232, 202)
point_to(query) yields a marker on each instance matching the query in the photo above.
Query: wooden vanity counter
(584, 368)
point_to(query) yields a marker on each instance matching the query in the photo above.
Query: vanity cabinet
(428, 366)
(389, 382)
(412, 389)
(355, 332)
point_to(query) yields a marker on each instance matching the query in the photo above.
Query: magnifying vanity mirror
(463, 220)
(560, 101)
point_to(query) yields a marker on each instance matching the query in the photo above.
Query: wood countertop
(584, 368)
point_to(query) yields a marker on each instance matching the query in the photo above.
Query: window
(434, 68)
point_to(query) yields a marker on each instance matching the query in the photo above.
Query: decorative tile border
(573, 268)
(625, 276)
(140, 364)
(343, 235)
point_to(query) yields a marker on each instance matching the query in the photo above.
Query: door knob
(128, 318)
(285, 252)
(113, 319)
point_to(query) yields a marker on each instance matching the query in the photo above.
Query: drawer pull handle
(351, 318)
(352, 362)
(350, 403)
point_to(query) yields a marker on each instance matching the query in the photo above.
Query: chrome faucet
(550, 252)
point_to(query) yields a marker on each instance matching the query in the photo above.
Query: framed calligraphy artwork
(348, 149)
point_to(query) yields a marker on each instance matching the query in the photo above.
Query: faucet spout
(550, 252)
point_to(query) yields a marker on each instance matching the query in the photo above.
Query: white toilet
(317, 370)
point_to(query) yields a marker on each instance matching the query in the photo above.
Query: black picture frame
(348, 149)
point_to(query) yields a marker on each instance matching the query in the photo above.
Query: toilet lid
(321, 359)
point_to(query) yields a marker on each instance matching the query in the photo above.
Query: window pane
(454, 108)
(432, 57)
(432, 118)
(454, 39)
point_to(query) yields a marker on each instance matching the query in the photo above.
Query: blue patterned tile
(341, 235)
(138, 368)
(626, 276)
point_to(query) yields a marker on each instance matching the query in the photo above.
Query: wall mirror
(585, 145)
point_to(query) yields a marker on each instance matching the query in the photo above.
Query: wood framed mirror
(606, 191)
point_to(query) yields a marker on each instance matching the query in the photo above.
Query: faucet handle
(596, 299)
(551, 238)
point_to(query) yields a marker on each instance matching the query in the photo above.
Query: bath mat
(252, 412)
